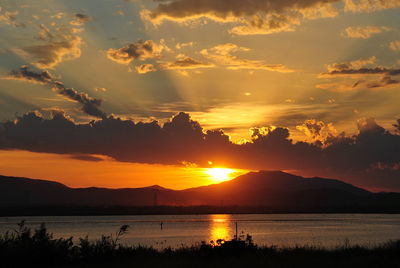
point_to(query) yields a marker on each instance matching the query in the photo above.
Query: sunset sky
(131, 93)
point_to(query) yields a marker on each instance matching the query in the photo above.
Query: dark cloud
(80, 19)
(87, 157)
(83, 17)
(363, 74)
(384, 82)
(24, 74)
(397, 126)
(345, 69)
(250, 16)
(187, 63)
(357, 159)
(90, 106)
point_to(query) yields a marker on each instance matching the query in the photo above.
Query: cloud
(395, 45)
(226, 49)
(186, 63)
(317, 131)
(259, 25)
(136, 51)
(52, 54)
(385, 81)
(397, 125)
(80, 19)
(221, 55)
(364, 71)
(182, 139)
(24, 74)
(369, 6)
(182, 45)
(363, 32)
(10, 18)
(58, 15)
(250, 16)
(56, 43)
(90, 106)
(145, 68)
(362, 62)
(45, 34)
(87, 157)
(355, 68)
(366, 77)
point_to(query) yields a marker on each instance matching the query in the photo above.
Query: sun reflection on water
(220, 227)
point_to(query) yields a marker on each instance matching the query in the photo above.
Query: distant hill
(263, 191)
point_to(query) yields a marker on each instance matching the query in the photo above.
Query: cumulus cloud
(253, 16)
(90, 106)
(317, 131)
(52, 54)
(136, 51)
(182, 139)
(362, 62)
(363, 32)
(221, 55)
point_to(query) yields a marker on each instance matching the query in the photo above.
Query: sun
(219, 174)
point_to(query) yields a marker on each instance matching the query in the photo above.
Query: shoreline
(177, 210)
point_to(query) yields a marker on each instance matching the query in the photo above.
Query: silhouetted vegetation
(38, 248)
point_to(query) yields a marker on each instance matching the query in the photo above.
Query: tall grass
(24, 247)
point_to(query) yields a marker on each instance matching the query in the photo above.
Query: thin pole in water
(236, 236)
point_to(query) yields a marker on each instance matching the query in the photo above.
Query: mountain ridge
(275, 190)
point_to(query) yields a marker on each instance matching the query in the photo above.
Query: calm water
(327, 230)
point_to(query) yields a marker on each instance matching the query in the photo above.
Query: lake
(326, 230)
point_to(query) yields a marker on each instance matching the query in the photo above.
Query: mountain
(268, 191)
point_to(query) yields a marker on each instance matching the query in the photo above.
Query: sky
(131, 93)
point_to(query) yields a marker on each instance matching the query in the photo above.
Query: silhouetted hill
(269, 191)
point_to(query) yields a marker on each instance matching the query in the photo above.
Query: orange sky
(107, 173)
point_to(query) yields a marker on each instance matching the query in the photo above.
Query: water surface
(326, 230)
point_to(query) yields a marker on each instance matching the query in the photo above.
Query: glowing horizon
(220, 174)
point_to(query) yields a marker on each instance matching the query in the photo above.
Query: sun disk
(219, 174)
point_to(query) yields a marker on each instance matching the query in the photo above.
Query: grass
(24, 247)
